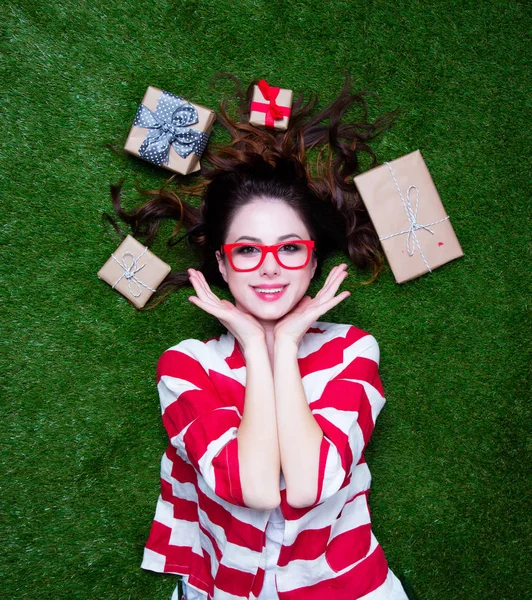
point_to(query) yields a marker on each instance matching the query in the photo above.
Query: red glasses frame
(228, 249)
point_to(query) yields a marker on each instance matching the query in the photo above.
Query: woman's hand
(295, 324)
(244, 327)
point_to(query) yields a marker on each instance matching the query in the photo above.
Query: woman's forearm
(299, 435)
(258, 446)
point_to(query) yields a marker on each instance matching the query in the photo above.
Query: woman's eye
(290, 248)
(247, 249)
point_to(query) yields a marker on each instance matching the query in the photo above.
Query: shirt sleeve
(346, 411)
(201, 425)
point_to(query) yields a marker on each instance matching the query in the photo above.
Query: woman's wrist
(253, 345)
(284, 343)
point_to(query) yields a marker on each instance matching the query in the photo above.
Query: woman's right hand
(244, 327)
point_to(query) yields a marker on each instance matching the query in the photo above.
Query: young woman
(264, 485)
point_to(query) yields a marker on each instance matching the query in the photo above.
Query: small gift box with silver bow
(170, 132)
(404, 205)
(134, 271)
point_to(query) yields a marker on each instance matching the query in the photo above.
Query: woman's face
(266, 221)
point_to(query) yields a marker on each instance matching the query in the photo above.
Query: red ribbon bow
(272, 109)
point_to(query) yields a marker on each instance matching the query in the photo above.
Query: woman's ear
(314, 263)
(221, 265)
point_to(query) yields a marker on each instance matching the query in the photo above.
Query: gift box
(170, 132)
(270, 106)
(134, 271)
(404, 205)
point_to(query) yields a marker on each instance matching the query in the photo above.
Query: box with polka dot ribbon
(170, 132)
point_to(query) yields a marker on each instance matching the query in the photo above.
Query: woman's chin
(274, 315)
(269, 311)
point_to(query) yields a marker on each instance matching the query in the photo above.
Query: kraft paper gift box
(270, 106)
(134, 271)
(170, 132)
(404, 205)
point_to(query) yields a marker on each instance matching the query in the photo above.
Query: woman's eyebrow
(283, 237)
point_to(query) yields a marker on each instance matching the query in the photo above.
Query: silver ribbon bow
(129, 272)
(412, 217)
(169, 126)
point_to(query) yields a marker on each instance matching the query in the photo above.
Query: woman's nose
(270, 264)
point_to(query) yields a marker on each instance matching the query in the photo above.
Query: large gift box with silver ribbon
(134, 271)
(270, 106)
(170, 132)
(404, 205)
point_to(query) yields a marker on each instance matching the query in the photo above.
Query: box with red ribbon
(270, 106)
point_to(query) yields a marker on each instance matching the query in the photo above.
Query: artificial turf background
(81, 432)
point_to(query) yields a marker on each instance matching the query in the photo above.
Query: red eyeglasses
(294, 254)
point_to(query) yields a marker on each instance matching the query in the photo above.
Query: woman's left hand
(295, 324)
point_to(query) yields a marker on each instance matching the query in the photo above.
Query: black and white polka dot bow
(169, 126)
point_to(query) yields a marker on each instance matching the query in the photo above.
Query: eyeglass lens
(290, 255)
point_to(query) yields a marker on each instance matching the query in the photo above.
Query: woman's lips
(270, 297)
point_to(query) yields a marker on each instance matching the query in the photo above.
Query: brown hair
(274, 164)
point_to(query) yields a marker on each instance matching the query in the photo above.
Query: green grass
(81, 435)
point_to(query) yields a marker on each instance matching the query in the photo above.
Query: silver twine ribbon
(129, 272)
(412, 217)
(170, 125)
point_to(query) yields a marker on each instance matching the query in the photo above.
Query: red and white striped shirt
(202, 527)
